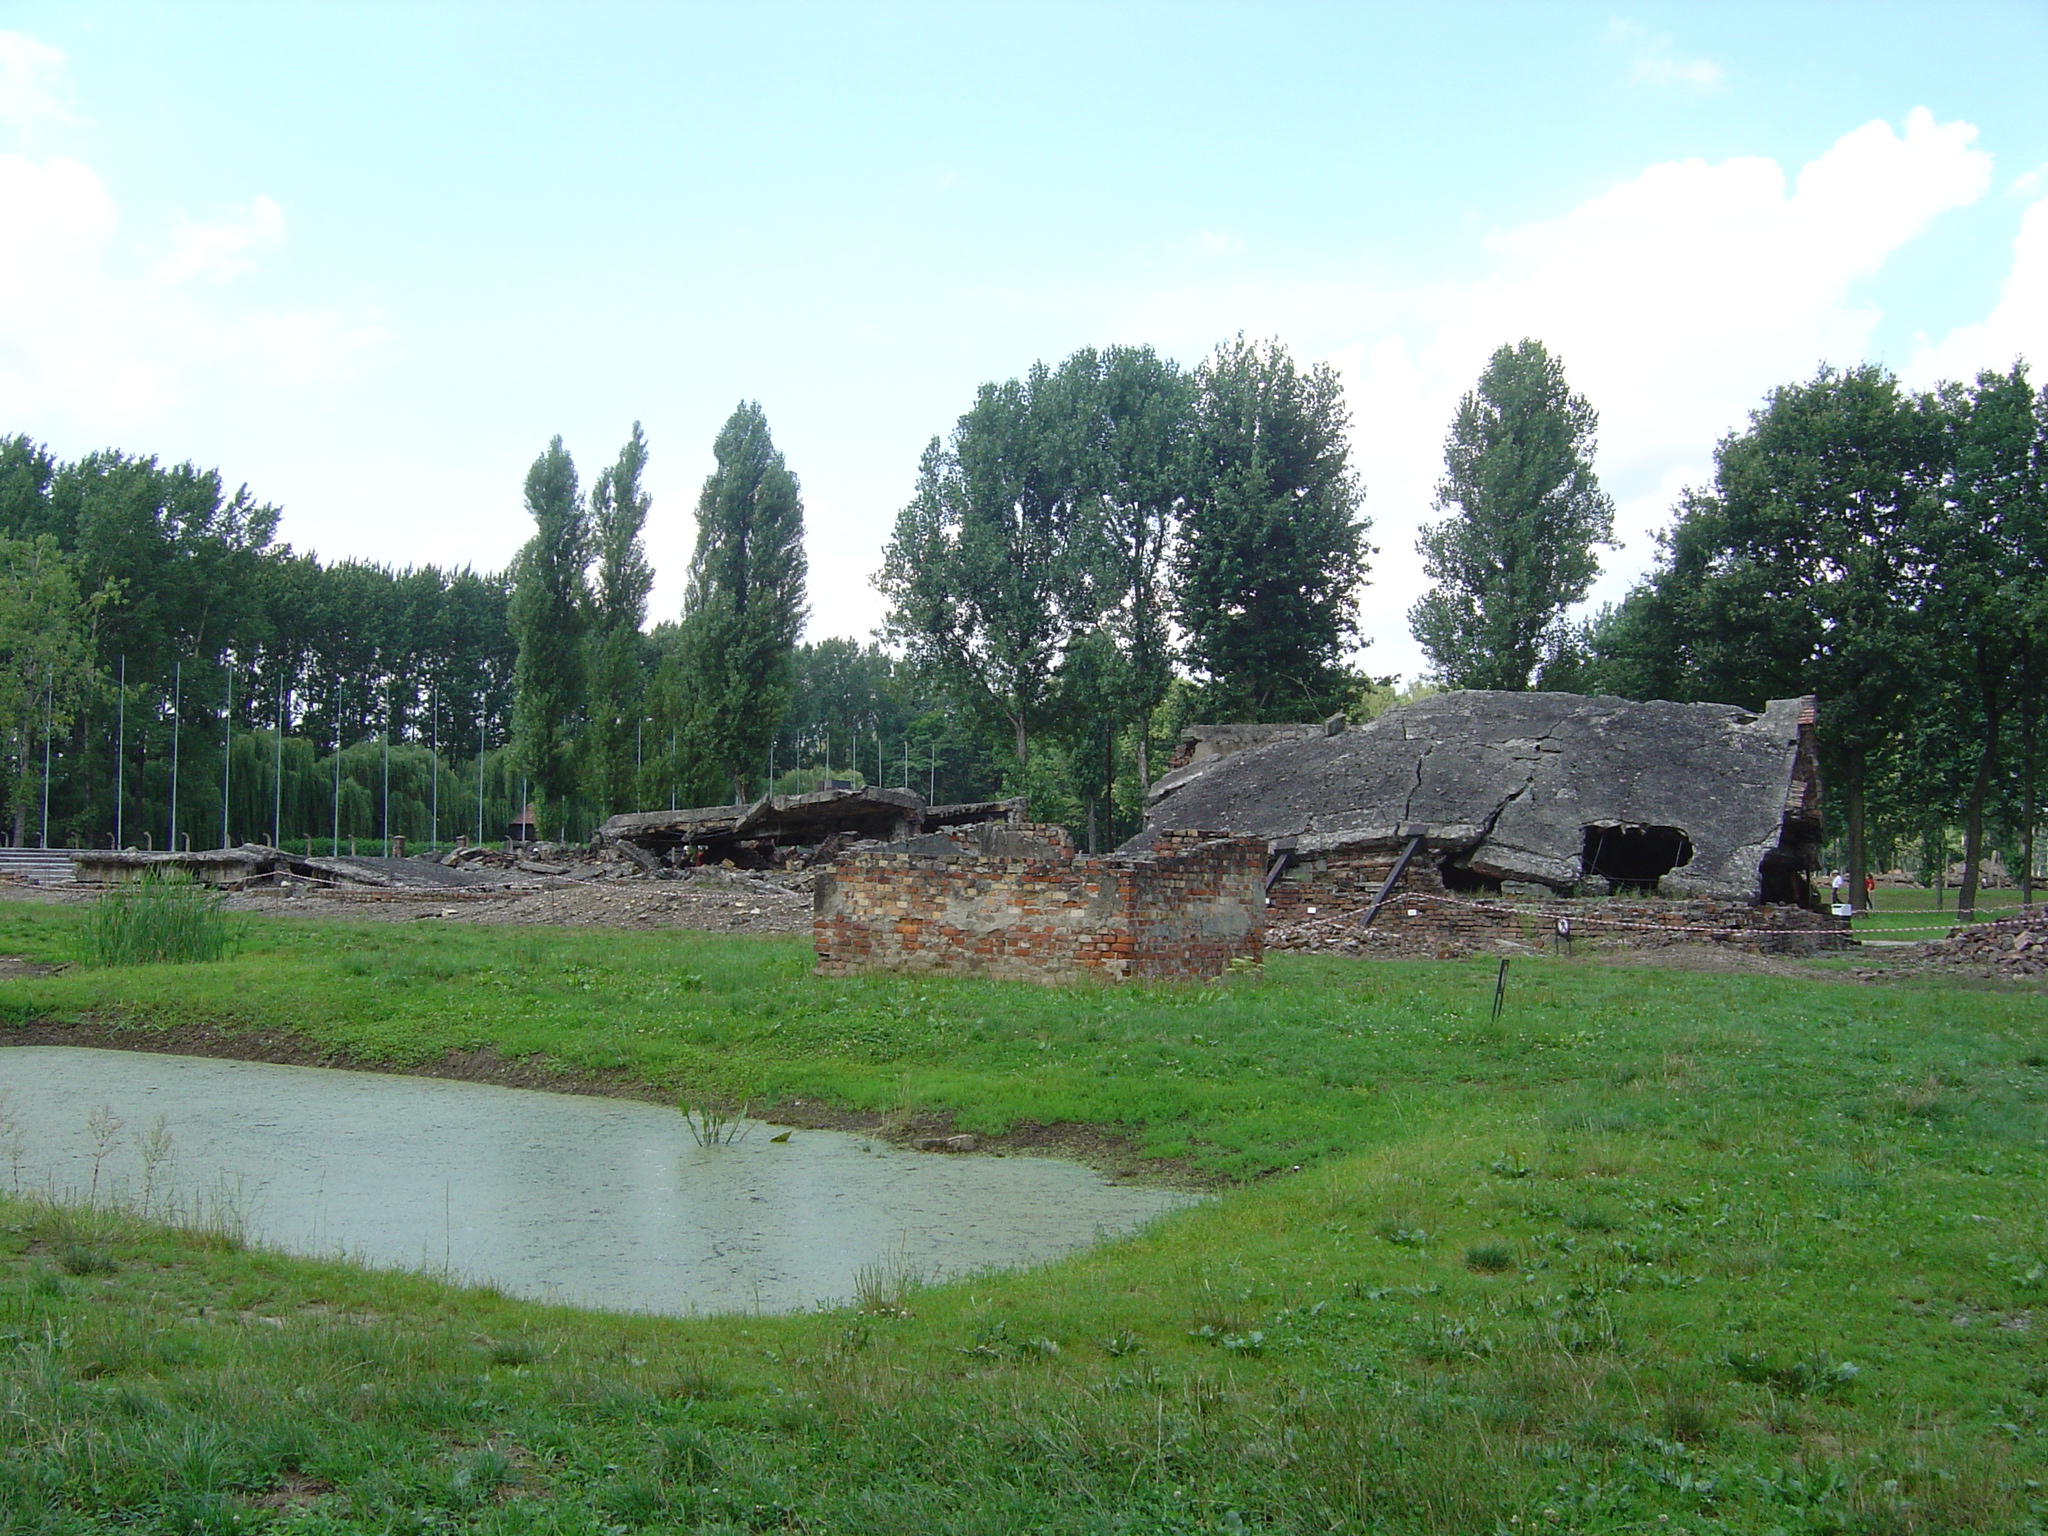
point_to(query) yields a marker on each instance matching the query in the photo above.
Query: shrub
(167, 917)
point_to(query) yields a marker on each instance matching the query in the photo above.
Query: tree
(46, 660)
(618, 513)
(1795, 573)
(1271, 545)
(991, 565)
(745, 602)
(550, 599)
(1982, 542)
(1526, 511)
(1139, 423)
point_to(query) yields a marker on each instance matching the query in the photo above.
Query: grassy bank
(1908, 913)
(1657, 1251)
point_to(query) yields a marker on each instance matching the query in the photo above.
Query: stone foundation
(1031, 909)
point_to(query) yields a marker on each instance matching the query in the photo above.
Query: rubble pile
(2013, 947)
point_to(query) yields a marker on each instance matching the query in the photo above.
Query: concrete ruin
(780, 830)
(1017, 902)
(1463, 798)
(258, 864)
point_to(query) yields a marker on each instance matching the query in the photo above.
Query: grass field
(1915, 914)
(1658, 1251)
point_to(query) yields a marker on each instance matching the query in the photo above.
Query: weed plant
(163, 918)
(1658, 1251)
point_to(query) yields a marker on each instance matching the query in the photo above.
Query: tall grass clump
(160, 918)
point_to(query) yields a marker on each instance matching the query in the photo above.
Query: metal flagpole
(49, 711)
(227, 742)
(177, 699)
(277, 782)
(337, 770)
(120, 748)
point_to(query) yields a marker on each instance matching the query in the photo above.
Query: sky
(368, 259)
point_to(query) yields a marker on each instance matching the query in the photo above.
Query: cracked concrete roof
(1510, 782)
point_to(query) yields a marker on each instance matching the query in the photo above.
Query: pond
(598, 1202)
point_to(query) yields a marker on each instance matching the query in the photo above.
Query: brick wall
(1421, 916)
(1185, 910)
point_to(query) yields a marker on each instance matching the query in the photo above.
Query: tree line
(1096, 553)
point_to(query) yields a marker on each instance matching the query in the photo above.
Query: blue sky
(369, 258)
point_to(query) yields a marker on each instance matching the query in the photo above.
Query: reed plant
(161, 918)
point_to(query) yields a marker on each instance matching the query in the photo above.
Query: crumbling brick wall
(1422, 916)
(1184, 910)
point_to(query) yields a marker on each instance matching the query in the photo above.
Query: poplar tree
(618, 514)
(550, 600)
(1525, 511)
(745, 602)
(1272, 548)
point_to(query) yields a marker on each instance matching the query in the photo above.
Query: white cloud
(2017, 326)
(34, 87)
(1676, 300)
(1656, 62)
(93, 349)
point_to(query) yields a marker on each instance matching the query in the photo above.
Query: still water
(559, 1197)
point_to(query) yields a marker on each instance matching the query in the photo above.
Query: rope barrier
(1588, 916)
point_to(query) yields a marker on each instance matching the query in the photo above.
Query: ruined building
(1438, 810)
(1018, 902)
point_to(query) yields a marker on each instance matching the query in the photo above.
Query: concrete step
(40, 865)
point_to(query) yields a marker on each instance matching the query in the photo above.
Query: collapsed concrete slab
(1539, 794)
(1017, 902)
(767, 833)
(250, 864)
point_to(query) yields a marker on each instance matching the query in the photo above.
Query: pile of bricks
(1414, 922)
(1185, 910)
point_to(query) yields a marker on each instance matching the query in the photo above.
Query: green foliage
(1525, 512)
(745, 605)
(618, 513)
(1737, 1298)
(550, 601)
(46, 662)
(157, 920)
(990, 568)
(1272, 546)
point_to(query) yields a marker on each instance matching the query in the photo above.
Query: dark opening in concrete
(1634, 859)
(1463, 879)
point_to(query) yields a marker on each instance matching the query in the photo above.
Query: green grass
(159, 919)
(1913, 914)
(1658, 1251)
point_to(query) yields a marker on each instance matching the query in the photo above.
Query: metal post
(227, 742)
(337, 770)
(434, 751)
(177, 700)
(277, 782)
(49, 714)
(385, 734)
(120, 750)
(479, 778)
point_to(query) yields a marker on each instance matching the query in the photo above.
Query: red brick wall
(1185, 910)
(1422, 917)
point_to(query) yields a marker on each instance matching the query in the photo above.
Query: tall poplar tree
(618, 514)
(1525, 511)
(550, 601)
(1272, 548)
(745, 603)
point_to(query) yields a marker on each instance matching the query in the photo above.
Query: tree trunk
(1973, 822)
(1144, 761)
(1023, 742)
(1853, 794)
